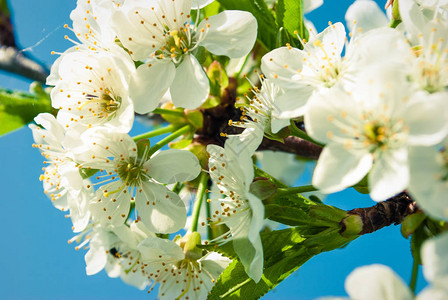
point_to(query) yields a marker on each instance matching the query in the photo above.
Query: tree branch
(392, 211)
(12, 60)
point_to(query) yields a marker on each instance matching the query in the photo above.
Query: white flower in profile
(379, 282)
(114, 248)
(93, 90)
(180, 268)
(260, 114)
(370, 131)
(61, 179)
(429, 179)
(231, 169)
(130, 175)
(161, 34)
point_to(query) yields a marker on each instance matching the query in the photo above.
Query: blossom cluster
(375, 101)
(118, 190)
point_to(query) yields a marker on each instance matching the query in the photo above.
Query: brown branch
(12, 60)
(293, 145)
(392, 211)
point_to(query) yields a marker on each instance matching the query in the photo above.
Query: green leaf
(267, 28)
(290, 17)
(18, 109)
(284, 252)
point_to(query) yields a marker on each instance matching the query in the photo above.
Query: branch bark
(12, 60)
(392, 211)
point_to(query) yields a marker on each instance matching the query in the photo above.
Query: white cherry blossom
(261, 113)
(231, 170)
(128, 175)
(114, 248)
(93, 90)
(61, 179)
(370, 130)
(180, 268)
(162, 35)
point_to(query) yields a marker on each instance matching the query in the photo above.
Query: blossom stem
(237, 75)
(154, 133)
(413, 283)
(168, 139)
(301, 134)
(296, 190)
(198, 201)
(208, 213)
(163, 111)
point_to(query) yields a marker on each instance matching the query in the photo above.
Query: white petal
(425, 185)
(376, 282)
(153, 247)
(366, 14)
(309, 5)
(435, 262)
(149, 83)
(273, 66)
(173, 165)
(249, 140)
(390, 174)
(161, 210)
(339, 168)
(96, 259)
(278, 124)
(426, 117)
(326, 119)
(293, 103)
(231, 33)
(114, 208)
(190, 86)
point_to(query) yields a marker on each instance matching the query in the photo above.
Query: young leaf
(284, 252)
(18, 109)
(290, 16)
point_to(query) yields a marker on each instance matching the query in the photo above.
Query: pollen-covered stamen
(103, 104)
(256, 109)
(383, 133)
(432, 62)
(132, 172)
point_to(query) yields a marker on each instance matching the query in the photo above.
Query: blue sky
(37, 262)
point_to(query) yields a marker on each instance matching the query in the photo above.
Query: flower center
(383, 133)
(104, 105)
(132, 172)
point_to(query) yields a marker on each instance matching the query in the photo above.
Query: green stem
(296, 190)
(155, 132)
(198, 201)
(301, 134)
(413, 283)
(162, 111)
(168, 139)
(208, 213)
(237, 75)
